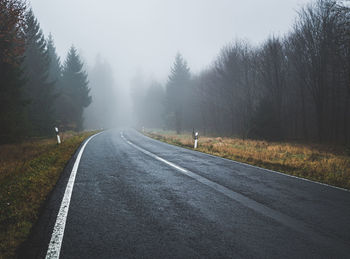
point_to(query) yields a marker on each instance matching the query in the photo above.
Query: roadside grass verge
(28, 172)
(321, 163)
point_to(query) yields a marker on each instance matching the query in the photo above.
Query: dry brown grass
(28, 172)
(321, 163)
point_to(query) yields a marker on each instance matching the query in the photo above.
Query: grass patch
(326, 164)
(28, 172)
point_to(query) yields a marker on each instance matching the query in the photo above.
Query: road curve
(135, 197)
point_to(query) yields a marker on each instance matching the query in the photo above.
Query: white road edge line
(253, 166)
(247, 202)
(55, 244)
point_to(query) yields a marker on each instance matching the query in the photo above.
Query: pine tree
(55, 68)
(38, 88)
(11, 76)
(75, 91)
(55, 74)
(176, 90)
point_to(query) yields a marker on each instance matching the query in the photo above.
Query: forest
(37, 91)
(294, 87)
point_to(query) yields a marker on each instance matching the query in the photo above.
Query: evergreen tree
(55, 73)
(11, 78)
(75, 91)
(176, 93)
(55, 68)
(38, 88)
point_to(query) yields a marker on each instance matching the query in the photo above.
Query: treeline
(295, 87)
(37, 92)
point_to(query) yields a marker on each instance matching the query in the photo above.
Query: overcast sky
(145, 35)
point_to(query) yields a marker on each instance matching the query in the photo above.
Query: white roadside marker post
(195, 140)
(58, 136)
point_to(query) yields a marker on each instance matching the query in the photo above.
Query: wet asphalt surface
(127, 204)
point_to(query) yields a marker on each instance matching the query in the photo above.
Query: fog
(142, 37)
(146, 35)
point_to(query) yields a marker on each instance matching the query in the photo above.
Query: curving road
(135, 197)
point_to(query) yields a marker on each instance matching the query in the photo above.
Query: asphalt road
(135, 197)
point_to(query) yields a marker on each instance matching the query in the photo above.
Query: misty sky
(145, 35)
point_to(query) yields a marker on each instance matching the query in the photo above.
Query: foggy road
(137, 197)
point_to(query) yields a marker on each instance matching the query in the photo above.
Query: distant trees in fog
(296, 87)
(36, 91)
(148, 98)
(104, 110)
